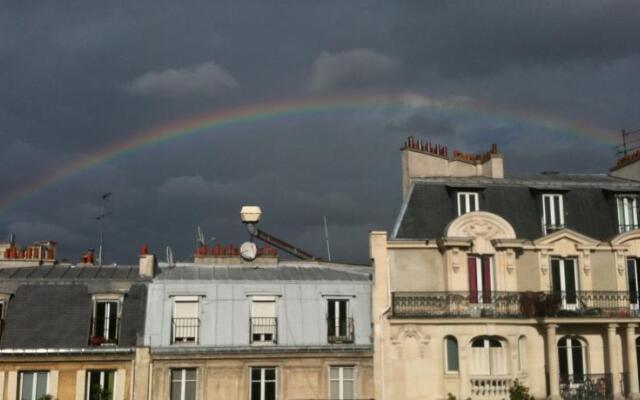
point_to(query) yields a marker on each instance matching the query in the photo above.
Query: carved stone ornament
(455, 260)
(586, 262)
(481, 227)
(400, 335)
(510, 256)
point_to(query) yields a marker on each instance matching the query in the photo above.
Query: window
(105, 321)
(33, 385)
(572, 359)
(564, 281)
(185, 321)
(342, 383)
(467, 202)
(488, 356)
(481, 279)
(632, 282)
(183, 383)
(451, 354)
(339, 325)
(263, 383)
(263, 320)
(522, 353)
(552, 213)
(100, 385)
(627, 213)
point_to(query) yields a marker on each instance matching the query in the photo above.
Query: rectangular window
(33, 385)
(342, 383)
(340, 326)
(263, 383)
(451, 353)
(183, 383)
(185, 321)
(467, 202)
(564, 281)
(627, 213)
(481, 279)
(552, 212)
(100, 385)
(105, 321)
(633, 282)
(264, 325)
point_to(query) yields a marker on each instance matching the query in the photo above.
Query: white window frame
(274, 335)
(185, 299)
(35, 383)
(341, 380)
(102, 373)
(563, 281)
(183, 380)
(336, 319)
(627, 208)
(447, 369)
(493, 369)
(466, 198)
(107, 298)
(583, 350)
(480, 277)
(262, 381)
(556, 220)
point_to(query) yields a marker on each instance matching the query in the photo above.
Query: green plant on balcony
(518, 391)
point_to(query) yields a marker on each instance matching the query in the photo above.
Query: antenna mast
(326, 237)
(101, 218)
(630, 142)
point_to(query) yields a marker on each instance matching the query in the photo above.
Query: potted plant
(97, 341)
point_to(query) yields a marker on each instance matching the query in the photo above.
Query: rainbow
(279, 109)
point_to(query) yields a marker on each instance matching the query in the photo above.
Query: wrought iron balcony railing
(263, 330)
(185, 330)
(340, 330)
(104, 332)
(572, 304)
(586, 386)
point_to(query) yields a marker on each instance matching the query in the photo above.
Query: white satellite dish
(248, 251)
(170, 257)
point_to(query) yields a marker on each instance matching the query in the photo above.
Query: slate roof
(589, 203)
(51, 306)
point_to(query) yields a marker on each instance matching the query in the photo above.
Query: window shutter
(185, 309)
(263, 309)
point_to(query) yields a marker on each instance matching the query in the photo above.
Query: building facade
(488, 278)
(273, 330)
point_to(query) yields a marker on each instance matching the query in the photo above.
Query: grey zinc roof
(268, 273)
(51, 307)
(589, 203)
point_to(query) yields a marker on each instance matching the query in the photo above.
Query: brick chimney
(627, 167)
(146, 262)
(424, 159)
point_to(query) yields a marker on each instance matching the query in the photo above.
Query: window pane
(176, 389)
(255, 374)
(191, 374)
(452, 355)
(334, 373)
(255, 391)
(348, 390)
(270, 374)
(270, 391)
(190, 391)
(334, 389)
(41, 385)
(348, 372)
(27, 385)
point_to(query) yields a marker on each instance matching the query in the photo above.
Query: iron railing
(263, 330)
(570, 304)
(185, 330)
(97, 335)
(340, 330)
(586, 387)
(626, 227)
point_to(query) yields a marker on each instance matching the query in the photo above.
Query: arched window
(488, 356)
(572, 357)
(451, 354)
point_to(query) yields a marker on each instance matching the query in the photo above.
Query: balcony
(340, 331)
(98, 336)
(586, 386)
(184, 330)
(578, 304)
(263, 330)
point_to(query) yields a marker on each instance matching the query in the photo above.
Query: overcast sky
(77, 76)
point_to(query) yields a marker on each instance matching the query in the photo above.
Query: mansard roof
(589, 203)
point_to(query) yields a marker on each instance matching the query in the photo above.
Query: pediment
(566, 235)
(480, 224)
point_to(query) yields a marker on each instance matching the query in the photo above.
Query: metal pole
(326, 236)
(101, 217)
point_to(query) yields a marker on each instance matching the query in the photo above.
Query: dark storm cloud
(76, 77)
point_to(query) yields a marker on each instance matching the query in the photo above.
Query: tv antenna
(170, 261)
(326, 238)
(101, 218)
(200, 241)
(630, 142)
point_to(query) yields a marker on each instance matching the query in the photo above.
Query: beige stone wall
(417, 270)
(299, 377)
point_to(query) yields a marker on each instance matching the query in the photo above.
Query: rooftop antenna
(200, 241)
(630, 142)
(170, 261)
(326, 237)
(101, 218)
(12, 239)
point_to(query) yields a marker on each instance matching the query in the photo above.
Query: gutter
(121, 350)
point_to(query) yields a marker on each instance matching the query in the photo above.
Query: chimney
(422, 159)
(147, 263)
(627, 167)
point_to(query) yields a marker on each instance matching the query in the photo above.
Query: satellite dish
(248, 251)
(170, 256)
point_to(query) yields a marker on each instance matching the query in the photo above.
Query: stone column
(552, 363)
(613, 361)
(632, 362)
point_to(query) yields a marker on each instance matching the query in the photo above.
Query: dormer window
(467, 202)
(627, 213)
(106, 319)
(552, 212)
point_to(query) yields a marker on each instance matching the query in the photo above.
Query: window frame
(337, 317)
(563, 290)
(263, 381)
(103, 373)
(102, 299)
(341, 379)
(626, 224)
(262, 340)
(174, 329)
(479, 295)
(556, 222)
(34, 383)
(569, 354)
(447, 367)
(467, 196)
(183, 381)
